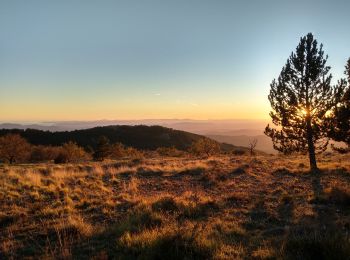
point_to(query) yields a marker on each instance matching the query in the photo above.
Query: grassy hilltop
(223, 207)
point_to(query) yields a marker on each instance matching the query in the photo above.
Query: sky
(197, 59)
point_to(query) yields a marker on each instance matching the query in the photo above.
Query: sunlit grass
(226, 207)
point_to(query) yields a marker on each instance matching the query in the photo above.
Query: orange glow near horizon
(45, 111)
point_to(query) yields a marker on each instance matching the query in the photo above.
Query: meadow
(221, 207)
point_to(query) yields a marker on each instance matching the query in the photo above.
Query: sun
(302, 111)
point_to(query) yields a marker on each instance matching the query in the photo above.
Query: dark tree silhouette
(103, 149)
(301, 99)
(340, 123)
(252, 144)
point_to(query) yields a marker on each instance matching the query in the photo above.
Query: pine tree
(340, 122)
(103, 149)
(301, 99)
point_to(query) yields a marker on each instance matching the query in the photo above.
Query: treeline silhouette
(139, 137)
(110, 142)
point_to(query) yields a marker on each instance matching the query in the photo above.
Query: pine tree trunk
(311, 146)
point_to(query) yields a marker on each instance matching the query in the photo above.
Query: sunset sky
(198, 59)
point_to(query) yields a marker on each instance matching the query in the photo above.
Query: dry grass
(237, 207)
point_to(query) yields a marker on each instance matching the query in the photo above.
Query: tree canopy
(14, 148)
(301, 99)
(340, 122)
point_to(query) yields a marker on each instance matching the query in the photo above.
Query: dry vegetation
(227, 207)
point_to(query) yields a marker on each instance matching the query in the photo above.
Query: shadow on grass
(316, 237)
(192, 172)
(320, 238)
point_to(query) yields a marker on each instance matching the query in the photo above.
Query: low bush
(71, 152)
(205, 147)
(41, 153)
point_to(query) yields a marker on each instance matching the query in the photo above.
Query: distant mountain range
(141, 137)
(32, 126)
(235, 132)
(190, 125)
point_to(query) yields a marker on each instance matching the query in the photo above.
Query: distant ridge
(202, 127)
(140, 137)
(31, 126)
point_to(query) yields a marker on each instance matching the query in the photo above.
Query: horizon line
(111, 120)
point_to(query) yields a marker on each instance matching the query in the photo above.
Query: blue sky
(88, 60)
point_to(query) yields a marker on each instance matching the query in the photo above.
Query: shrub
(71, 152)
(117, 151)
(205, 146)
(41, 153)
(133, 153)
(61, 158)
(103, 149)
(14, 148)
